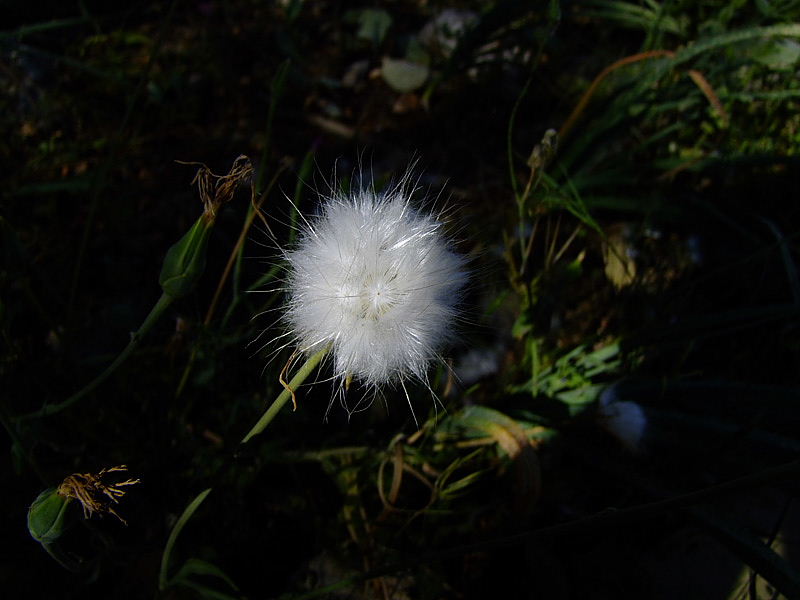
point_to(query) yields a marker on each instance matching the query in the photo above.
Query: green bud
(186, 260)
(46, 516)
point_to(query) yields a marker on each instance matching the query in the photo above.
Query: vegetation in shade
(619, 417)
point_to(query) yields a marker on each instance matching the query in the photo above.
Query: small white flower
(377, 280)
(623, 419)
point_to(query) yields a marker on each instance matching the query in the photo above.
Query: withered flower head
(186, 259)
(216, 190)
(95, 492)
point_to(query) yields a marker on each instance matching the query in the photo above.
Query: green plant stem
(284, 396)
(148, 323)
(302, 177)
(262, 423)
(27, 30)
(233, 262)
(70, 563)
(173, 535)
(259, 283)
(16, 439)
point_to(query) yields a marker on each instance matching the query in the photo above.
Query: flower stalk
(182, 268)
(286, 394)
(271, 412)
(51, 409)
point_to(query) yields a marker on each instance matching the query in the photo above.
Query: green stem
(284, 396)
(261, 282)
(237, 267)
(265, 420)
(70, 563)
(148, 323)
(173, 535)
(302, 177)
(185, 376)
(16, 439)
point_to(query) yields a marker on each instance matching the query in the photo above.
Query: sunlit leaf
(403, 75)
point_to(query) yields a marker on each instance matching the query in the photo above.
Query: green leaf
(570, 378)
(460, 485)
(581, 397)
(620, 268)
(522, 326)
(780, 55)
(373, 23)
(403, 75)
(631, 15)
(452, 490)
(416, 53)
(733, 37)
(195, 566)
(512, 439)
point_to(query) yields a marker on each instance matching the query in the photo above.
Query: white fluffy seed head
(377, 280)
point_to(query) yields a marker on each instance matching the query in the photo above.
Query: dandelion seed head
(376, 279)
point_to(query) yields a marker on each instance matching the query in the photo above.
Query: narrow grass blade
(173, 536)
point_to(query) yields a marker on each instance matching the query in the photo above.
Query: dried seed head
(215, 190)
(94, 492)
(185, 261)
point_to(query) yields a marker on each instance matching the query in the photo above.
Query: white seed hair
(377, 280)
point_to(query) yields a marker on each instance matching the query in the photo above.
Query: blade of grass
(302, 177)
(788, 261)
(173, 536)
(25, 30)
(670, 60)
(590, 91)
(288, 392)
